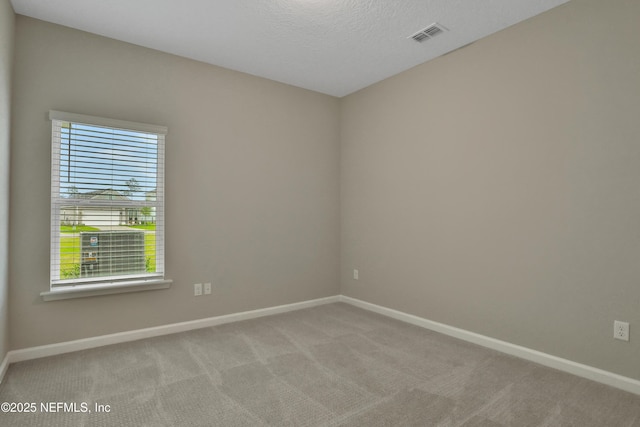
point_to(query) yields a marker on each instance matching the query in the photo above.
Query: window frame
(72, 288)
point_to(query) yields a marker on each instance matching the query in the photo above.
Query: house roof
(106, 194)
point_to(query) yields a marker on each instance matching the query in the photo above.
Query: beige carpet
(331, 365)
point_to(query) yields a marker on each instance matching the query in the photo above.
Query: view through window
(107, 200)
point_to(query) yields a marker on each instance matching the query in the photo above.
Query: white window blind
(107, 201)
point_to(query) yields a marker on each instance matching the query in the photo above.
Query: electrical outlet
(356, 275)
(621, 330)
(207, 288)
(197, 289)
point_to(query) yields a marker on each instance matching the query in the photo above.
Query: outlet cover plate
(621, 330)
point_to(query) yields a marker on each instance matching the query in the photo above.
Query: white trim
(55, 211)
(584, 371)
(4, 365)
(58, 202)
(83, 290)
(120, 337)
(103, 121)
(575, 368)
(159, 205)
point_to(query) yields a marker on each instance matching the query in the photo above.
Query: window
(107, 202)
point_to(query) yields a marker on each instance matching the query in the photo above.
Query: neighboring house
(100, 216)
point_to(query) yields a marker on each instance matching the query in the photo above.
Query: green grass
(150, 251)
(76, 228)
(148, 227)
(70, 255)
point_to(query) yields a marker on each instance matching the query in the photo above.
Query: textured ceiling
(331, 46)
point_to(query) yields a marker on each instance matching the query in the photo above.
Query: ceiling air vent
(428, 33)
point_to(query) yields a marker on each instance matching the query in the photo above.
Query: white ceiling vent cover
(428, 33)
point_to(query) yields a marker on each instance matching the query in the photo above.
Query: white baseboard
(4, 366)
(120, 337)
(584, 371)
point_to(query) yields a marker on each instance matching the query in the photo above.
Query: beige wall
(252, 184)
(494, 189)
(497, 188)
(7, 19)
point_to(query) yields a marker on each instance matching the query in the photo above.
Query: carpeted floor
(330, 365)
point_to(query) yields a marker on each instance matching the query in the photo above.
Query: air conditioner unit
(112, 253)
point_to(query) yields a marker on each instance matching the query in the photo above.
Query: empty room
(320, 213)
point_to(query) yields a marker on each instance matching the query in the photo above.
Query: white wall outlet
(197, 289)
(621, 330)
(207, 288)
(356, 275)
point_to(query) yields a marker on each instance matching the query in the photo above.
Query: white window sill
(81, 291)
